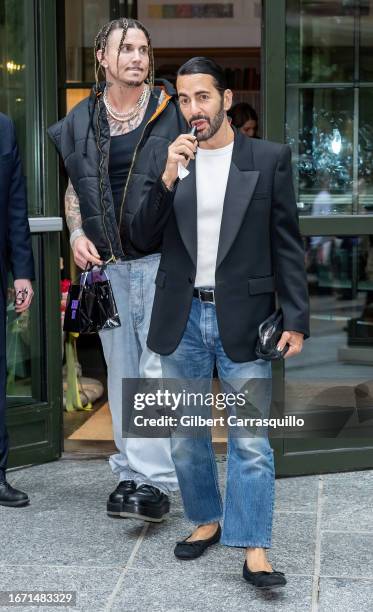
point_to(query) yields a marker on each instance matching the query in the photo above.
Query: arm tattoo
(72, 209)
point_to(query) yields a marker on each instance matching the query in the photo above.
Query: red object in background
(65, 285)
(64, 288)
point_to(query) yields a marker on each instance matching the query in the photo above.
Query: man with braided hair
(100, 141)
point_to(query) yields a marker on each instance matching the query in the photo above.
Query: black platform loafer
(147, 503)
(264, 580)
(192, 550)
(12, 497)
(118, 497)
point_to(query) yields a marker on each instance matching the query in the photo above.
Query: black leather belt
(205, 295)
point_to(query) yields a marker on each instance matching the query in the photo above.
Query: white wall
(241, 31)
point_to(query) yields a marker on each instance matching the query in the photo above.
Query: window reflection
(366, 40)
(13, 63)
(333, 377)
(18, 351)
(366, 151)
(320, 132)
(25, 371)
(320, 40)
(329, 116)
(18, 85)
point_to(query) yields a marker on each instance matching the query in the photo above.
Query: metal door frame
(330, 458)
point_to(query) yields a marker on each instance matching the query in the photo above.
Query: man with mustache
(100, 141)
(230, 240)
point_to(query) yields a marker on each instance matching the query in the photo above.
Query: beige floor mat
(97, 427)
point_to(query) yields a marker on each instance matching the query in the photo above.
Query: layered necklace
(133, 112)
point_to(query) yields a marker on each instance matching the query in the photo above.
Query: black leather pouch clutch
(269, 333)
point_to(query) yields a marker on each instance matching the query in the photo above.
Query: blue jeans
(144, 460)
(247, 513)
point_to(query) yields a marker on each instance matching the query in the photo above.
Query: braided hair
(124, 24)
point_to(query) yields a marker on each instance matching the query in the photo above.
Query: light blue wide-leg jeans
(144, 460)
(247, 512)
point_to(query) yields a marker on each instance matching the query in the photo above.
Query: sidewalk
(323, 540)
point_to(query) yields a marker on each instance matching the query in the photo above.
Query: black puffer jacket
(83, 140)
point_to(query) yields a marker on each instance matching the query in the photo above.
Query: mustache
(199, 118)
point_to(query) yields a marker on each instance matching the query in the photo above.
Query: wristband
(75, 234)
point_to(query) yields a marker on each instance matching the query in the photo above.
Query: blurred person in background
(244, 117)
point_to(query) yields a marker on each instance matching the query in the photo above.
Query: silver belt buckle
(211, 291)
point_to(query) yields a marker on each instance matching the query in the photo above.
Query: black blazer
(260, 249)
(15, 240)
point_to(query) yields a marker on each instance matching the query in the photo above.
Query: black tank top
(122, 149)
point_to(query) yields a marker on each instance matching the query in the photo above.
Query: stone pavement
(323, 540)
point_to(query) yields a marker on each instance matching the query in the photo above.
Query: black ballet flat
(264, 580)
(192, 550)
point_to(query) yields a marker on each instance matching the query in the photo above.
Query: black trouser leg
(4, 444)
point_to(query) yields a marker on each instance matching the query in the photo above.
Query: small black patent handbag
(91, 306)
(269, 334)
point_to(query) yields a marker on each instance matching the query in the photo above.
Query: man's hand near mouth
(182, 150)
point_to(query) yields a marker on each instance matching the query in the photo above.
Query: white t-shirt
(212, 169)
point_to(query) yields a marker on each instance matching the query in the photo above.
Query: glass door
(28, 96)
(323, 110)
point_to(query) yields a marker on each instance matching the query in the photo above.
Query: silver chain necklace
(132, 113)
